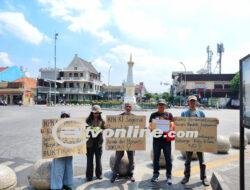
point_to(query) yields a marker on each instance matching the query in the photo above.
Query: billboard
(245, 70)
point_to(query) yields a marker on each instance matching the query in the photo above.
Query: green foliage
(156, 96)
(148, 105)
(165, 96)
(148, 96)
(235, 82)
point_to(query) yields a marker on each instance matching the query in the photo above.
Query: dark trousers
(131, 164)
(97, 151)
(159, 144)
(188, 165)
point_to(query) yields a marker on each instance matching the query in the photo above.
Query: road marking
(211, 164)
(22, 167)
(7, 163)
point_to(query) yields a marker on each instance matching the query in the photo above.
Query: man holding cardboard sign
(162, 121)
(193, 112)
(119, 154)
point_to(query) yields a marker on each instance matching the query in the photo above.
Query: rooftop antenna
(220, 50)
(209, 60)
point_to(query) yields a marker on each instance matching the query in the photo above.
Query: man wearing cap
(161, 142)
(119, 154)
(194, 112)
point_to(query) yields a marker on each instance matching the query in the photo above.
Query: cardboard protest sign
(63, 137)
(196, 134)
(128, 127)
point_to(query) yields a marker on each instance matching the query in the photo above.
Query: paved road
(20, 139)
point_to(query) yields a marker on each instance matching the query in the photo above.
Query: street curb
(218, 183)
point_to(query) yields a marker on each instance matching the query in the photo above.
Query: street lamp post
(56, 34)
(49, 92)
(109, 81)
(184, 77)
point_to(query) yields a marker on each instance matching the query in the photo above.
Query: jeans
(188, 165)
(159, 144)
(131, 164)
(97, 151)
(61, 172)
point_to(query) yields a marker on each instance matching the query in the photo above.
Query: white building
(78, 82)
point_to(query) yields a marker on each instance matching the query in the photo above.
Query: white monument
(129, 84)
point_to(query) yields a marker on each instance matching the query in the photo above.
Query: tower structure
(209, 60)
(129, 85)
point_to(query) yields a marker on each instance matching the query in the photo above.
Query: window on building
(226, 86)
(81, 74)
(70, 74)
(218, 86)
(75, 74)
(75, 68)
(77, 85)
(71, 85)
(65, 85)
(90, 86)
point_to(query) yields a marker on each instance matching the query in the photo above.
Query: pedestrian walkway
(227, 166)
(229, 179)
(21, 167)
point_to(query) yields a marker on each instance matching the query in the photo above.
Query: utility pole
(108, 82)
(56, 34)
(185, 77)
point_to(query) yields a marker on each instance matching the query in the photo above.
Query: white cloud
(15, 22)
(4, 59)
(148, 68)
(139, 19)
(102, 66)
(82, 15)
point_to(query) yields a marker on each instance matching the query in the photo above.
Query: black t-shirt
(164, 115)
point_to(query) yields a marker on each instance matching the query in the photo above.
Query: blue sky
(158, 33)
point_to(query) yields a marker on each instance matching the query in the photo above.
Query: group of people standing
(62, 169)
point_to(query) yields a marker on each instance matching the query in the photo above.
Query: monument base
(130, 99)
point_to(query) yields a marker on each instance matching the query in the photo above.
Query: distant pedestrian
(120, 154)
(162, 143)
(194, 112)
(62, 169)
(94, 145)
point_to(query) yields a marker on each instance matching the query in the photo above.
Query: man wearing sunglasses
(119, 154)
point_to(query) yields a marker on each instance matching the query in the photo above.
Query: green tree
(148, 96)
(165, 96)
(235, 83)
(157, 96)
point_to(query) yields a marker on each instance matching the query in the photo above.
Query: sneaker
(65, 187)
(205, 182)
(169, 181)
(184, 180)
(154, 179)
(99, 177)
(89, 179)
(131, 178)
(114, 176)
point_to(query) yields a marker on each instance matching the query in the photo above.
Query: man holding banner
(119, 154)
(193, 112)
(161, 120)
